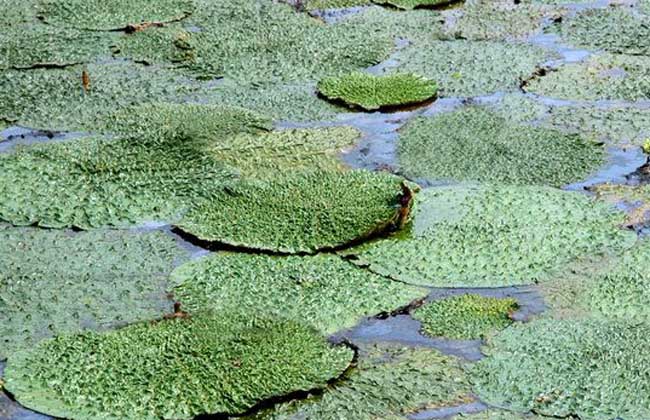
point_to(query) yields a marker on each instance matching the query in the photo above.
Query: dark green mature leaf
(480, 145)
(299, 212)
(373, 92)
(55, 281)
(594, 369)
(321, 290)
(178, 368)
(494, 236)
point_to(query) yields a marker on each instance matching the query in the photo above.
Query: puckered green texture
(112, 14)
(161, 45)
(465, 317)
(266, 41)
(56, 281)
(323, 290)
(373, 92)
(55, 99)
(390, 382)
(272, 154)
(412, 4)
(594, 369)
(179, 368)
(605, 76)
(93, 182)
(494, 236)
(498, 20)
(333, 4)
(494, 414)
(39, 45)
(17, 12)
(471, 68)
(613, 29)
(480, 145)
(301, 212)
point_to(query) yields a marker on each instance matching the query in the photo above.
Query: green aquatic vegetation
(321, 290)
(498, 20)
(471, 68)
(644, 6)
(480, 145)
(112, 14)
(371, 92)
(283, 102)
(161, 45)
(604, 76)
(494, 414)
(593, 369)
(412, 4)
(614, 30)
(638, 197)
(55, 99)
(273, 154)
(55, 282)
(389, 382)
(494, 236)
(465, 317)
(299, 212)
(17, 12)
(38, 45)
(159, 122)
(267, 42)
(93, 182)
(521, 109)
(333, 4)
(175, 368)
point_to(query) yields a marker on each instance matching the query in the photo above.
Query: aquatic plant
(112, 14)
(487, 66)
(55, 282)
(494, 236)
(155, 45)
(495, 414)
(389, 382)
(637, 197)
(300, 212)
(604, 76)
(333, 4)
(373, 92)
(322, 290)
(176, 368)
(412, 4)
(589, 368)
(465, 317)
(481, 145)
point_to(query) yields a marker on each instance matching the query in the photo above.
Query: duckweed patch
(498, 20)
(156, 45)
(494, 414)
(604, 76)
(322, 290)
(614, 29)
(176, 368)
(17, 13)
(465, 317)
(389, 382)
(112, 14)
(494, 236)
(54, 282)
(93, 182)
(581, 367)
(412, 4)
(334, 4)
(301, 212)
(39, 45)
(373, 92)
(471, 68)
(480, 145)
(56, 99)
(638, 197)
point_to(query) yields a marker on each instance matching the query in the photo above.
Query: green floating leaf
(487, 67)
(604, 76)
(55, 99)
(494, 236)
(474, 144)
(113, 14)
(493, 414)
(412, 4)
(593, 369)
(301, 212)
(39, 45)
(53, 282)
(160, 45)
(176, 368)
(390, 382)
(334, 4)
(613, 29)
(322, 290)
(373, 92)
(465, 317)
